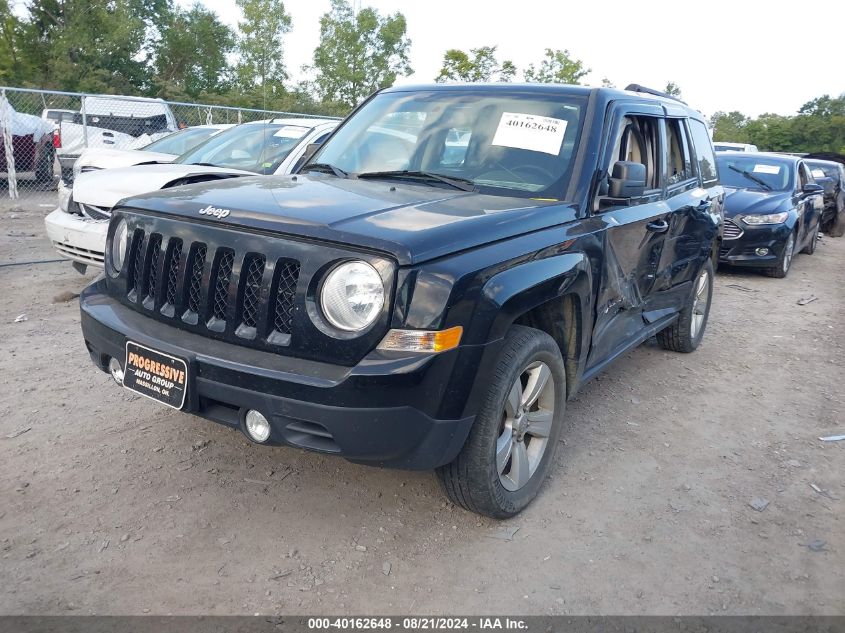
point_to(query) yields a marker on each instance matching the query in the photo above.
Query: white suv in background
(724, 146)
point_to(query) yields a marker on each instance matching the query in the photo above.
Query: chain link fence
(44, 132)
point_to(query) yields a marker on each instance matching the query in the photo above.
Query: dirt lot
(110, 503)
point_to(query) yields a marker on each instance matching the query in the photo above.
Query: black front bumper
(741, 251)
(386, 410)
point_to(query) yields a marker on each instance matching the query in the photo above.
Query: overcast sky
(748, 55)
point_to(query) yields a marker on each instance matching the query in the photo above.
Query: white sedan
(78, 227)
(164, 150)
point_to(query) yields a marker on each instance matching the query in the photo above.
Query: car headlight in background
(352, 296)
(119, 243)
(770, 218)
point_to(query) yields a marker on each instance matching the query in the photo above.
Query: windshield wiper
(325, 168)
(751, 176)
(464, 184)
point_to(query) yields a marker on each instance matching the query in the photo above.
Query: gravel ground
(112, 504)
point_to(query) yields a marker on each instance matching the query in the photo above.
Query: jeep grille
(218, 290)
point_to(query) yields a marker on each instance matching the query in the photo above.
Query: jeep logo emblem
(215, 212)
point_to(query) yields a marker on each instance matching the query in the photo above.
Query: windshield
(516, 144)
(827, 170)
(728, 148)
(180, 142)
(257, 147)
(754, 172)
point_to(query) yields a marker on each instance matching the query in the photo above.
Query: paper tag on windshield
(291, 131)
(766, 169)
(531, 132)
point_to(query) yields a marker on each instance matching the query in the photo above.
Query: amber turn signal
(422, 340)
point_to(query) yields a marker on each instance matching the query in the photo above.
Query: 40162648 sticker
(531, 132)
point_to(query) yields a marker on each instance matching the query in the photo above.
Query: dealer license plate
(156, 375)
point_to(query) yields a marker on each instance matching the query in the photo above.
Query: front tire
(837, 223)
(810, 248)
(685, 334)
(512, 443)
(781, 268)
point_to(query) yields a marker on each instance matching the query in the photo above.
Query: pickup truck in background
(110, 122)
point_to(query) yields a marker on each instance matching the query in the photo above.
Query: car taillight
(57, 139)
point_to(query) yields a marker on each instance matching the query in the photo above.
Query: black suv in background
(830, 174)
(449, 268)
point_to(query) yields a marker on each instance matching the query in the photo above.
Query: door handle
(658, 226)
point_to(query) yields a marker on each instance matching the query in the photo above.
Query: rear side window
(679, 163)
(703, 152)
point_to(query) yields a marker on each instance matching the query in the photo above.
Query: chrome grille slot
(220, 296)
(136, 266)
(174, 259)
(252, 274)
(284, 300)
(194, 275)
(731, 230)
(151, 276)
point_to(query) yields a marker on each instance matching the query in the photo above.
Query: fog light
(257, 426)
(116, 371)
(762, 251)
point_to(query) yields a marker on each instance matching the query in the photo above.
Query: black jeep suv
(430, 289)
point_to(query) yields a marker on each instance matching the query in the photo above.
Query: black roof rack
(652, 91)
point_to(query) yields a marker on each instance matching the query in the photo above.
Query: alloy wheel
(788, 252)
(526, 426)
(699, 303)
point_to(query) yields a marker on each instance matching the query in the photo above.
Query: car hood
(105, 188)
(748, 201)
(413, 223)
(102, 158)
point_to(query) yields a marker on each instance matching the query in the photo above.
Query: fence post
(8, 145)
(84, 124)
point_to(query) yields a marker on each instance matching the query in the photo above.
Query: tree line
(819, 126)
(157, 48)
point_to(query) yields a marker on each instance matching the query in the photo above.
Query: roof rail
(652, 91)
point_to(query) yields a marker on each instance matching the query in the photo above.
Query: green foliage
(88, 45)
(730, 127)
(606, 83)
(818, 127)
(359, 53)
(479, 65)
(557, 67)
(261, 69)
(190, 55)
(672, 89)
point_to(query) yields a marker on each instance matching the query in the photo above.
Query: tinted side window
(703, 152)
(679, 163)
(803, 176)
(638, 142)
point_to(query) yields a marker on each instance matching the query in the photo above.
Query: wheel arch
(553, 295)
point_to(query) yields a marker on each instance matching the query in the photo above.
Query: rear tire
(810, 248)
(685, 334)
(781, 269)
(512, 443)
(837, 224)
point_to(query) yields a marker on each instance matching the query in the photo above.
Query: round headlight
(119, 243)
(352, 296)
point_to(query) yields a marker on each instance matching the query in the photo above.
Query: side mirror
(310, 150)
(627, 180)
(810, 188)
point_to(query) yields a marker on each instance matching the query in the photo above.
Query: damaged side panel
(630, 271)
